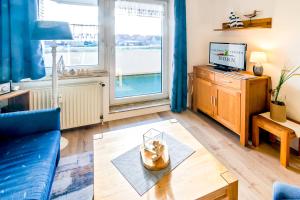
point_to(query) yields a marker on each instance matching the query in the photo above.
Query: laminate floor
(257, 169)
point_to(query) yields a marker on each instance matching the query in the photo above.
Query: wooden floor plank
(256, 168)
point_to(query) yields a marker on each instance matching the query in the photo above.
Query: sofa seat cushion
(27, 166)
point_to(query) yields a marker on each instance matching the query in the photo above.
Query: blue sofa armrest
(285, 191)
(29, 122)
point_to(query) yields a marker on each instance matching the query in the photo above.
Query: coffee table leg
(232, 190)
(255, 132)
(233, 194)
(284, 149)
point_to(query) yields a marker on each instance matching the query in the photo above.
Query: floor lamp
(52, 31)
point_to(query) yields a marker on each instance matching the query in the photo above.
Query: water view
(130, 85)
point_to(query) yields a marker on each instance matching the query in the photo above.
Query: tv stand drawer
(205, 74)
(226, 81)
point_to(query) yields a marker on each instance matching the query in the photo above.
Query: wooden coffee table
(200, 176)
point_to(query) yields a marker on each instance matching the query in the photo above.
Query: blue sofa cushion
(27, 166)
(19, 124)
(283, 191)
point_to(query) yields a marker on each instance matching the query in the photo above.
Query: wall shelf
(253, 24)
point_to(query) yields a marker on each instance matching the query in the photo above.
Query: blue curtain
(179, 87)
(20, 57)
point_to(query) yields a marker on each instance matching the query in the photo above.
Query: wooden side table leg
(255, 132)
(284, 149)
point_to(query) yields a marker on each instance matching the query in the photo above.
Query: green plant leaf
(291, 73)
(285, 75)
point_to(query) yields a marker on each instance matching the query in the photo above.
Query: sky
(76, 14)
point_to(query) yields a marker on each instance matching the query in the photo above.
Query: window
(84, 52)
(129, 38)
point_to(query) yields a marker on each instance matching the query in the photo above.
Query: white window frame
(165, 57)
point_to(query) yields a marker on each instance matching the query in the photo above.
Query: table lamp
(52, 30)
(258, 58)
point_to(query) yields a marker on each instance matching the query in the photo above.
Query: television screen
(229, 55)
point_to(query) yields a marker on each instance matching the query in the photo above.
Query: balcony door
(141, 54)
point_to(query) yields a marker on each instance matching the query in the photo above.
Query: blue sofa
(282, 191)
(29, 153)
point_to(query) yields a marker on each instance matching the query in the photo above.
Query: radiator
(80, 104)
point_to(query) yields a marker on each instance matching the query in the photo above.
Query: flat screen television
(228, 56)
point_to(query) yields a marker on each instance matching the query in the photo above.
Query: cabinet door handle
(212, 100)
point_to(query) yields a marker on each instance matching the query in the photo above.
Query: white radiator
(81, 104)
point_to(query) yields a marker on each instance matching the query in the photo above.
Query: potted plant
(278, 107)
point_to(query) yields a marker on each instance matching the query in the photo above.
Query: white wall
(198, 31)
(282, 42)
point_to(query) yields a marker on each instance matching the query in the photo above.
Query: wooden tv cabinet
(231, 98)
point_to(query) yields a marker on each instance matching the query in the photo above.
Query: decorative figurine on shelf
(239, 23)
(235, 21)
(252, 15)
(154, 151)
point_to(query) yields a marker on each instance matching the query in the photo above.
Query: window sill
(138, 106)
(68, 77)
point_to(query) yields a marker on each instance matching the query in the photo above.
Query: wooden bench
(281, 130)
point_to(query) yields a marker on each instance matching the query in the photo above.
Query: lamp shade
(51, 30)
(258, 57)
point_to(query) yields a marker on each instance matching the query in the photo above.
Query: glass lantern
(154, 150)
(152, 137)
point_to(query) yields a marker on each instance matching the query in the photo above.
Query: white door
(140, 59)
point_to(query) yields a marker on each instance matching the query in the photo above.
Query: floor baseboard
(136, 112)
